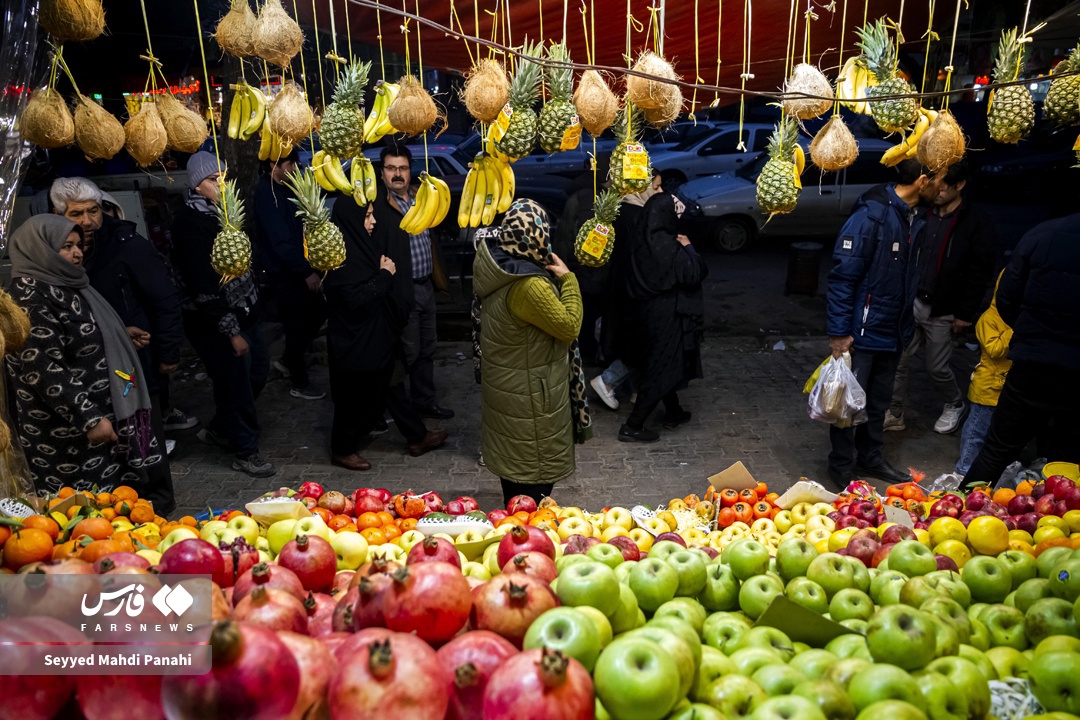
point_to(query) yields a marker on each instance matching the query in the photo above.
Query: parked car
(717, 151)
(677, 133)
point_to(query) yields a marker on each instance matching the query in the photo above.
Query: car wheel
(733, 234)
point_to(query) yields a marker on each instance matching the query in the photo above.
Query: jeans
(359, 398)
(973, 436)
(935, 333)
(875, 372)
(419, 341)
(303, 313)
(616, 374)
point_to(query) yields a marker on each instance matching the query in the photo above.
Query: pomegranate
(120, 560)
(273, 610)
(539, 684)
(194, 557)
(431, 599)
(378, 565)
(320, 609)
(271, 575)
(335, 640)
(119, 697)
(433, 501)
(310, 503)
(342, 620)
(383, 679)
(350, 508)
(368, 503)
(494, 516)
(409, 505)
(36, 595)
(317, 665)
(381, 494)
(253, 676)
(239, 557)
(508, 604)
(311, 490)
(472, 658)
(342, 581)
(433, 549)
(455, 507)
(32, 697)
(469, 503)
(536, 564)
(367, 609)
(521, 503)
(358, 641)
(524, 539)
(332, 501)
(312, 559)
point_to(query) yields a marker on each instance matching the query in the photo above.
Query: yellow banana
(265, 141)
(443, 192)
(509, 186)
(371, 184)
(408, 223)
(234, 114)
(908, 146)
(384, 127)
(493, 181)
(467, 192)
(356, 179)
(800, 159)
(257, 102)
(476, 212)
(245, 114)
(318, 164)
(427, 203)
(336, 175)
(432, 206)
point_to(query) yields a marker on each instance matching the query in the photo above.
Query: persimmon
(125, 492)
(725, 517)
(896, 502)
(522, 516)
(772, 497)
(748, 496)
(762, 509)
(189, 520)
(729, 496)
(744, 512)
(27, 545)
(95, 528)
(237, 513)
(98, 549)
(762, 489)
(510, 520)
(42, 522)
(914, 492)
(141, 514)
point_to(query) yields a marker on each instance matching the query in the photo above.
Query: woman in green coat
(529, 315)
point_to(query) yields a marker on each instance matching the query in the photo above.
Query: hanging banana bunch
(489, 190)
(431, 206)
(247, 112)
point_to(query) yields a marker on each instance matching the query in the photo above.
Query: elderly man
(130, 274)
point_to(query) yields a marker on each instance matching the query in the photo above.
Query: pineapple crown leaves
(607, 205)
(525, 84)
(784, 139)
(229, 208)
(560, 79)
(1072, 63)
(878, 49)
(352, 83)
(632, 132)
(308, 196)
(1010, 56)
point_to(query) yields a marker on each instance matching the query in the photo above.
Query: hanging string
(810, 15)
(461, 28)
(629, 20)
(843, 36)
(748, 18)
(405, 32)
(654, 30)
(719, 35)
(789, 53)
(210, 106)
(508, 36)
(952, 49)
(420, 65)
(151, 82)
(865, 11)
(930, 36)
(333, 36)
(378, 29)
(348, 30)
(589, 59)
(543, 78)
(697, 61)
(303, 76)
(565, 12)
(1023, 33)
(318, 53)
(900, 18)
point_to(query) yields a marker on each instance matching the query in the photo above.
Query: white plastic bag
(837, 397)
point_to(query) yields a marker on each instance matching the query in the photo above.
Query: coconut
(942, 144)
(596, 104)
(72, 19)
(236, 30)
(645, 93)
(14, 324)
(46, 121)
(413, 111)
(486, 90)
(290, 114)
(185, 129)
(669, 109)
(834, 147)
(808, 80)
(145, 133)
(97, 133)
(276, 37)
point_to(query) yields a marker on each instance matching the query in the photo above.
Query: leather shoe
(434, 412)
(841, 479)
(353, 461)
(883, 471)
(432, 440)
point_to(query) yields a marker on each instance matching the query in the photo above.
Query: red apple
(1045, 505)
(896, 533)
(835, 516)
(1010, 523)
(1060, 508)
(977, 501)
(865, 510)
(944, 562)
(944, 509)
(455, 507)
(368, 503)
(1021, 504)
(673, 537)
(846, 522)
(1039, 490)
(520, 503)
(311, 490)
(1058, 485)
(1072, 499)
(579, 544)
(1028, 522)
(628, 547)
(922, 525)
(863, 547)
(881, 553)
(997, 510)
(707, 550)
(496, 515)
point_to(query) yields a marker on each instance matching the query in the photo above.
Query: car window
(868, 170)
(761, 140)
(725, 143)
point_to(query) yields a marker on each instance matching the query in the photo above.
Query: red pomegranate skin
(434, 549)
(508, 604)
(274, 610)
(471, 658)
(431, 599)
(271, 575)
(317, 665)
(525, 687)
(524, 539)
(120, 697)
(312, 559)
(321, 616)
(32, 697)
(194, 557)
(536, 564)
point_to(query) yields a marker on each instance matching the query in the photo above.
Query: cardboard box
(736, 477)
(800, 624)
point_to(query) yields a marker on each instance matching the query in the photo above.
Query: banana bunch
(431, 206)
(489, 190)
(364, 186)
(851, 86)
(247, 112)
(492, 151)
(799, 159)
(271, 145)
(909, 146)
(329, 174)
(377, 123)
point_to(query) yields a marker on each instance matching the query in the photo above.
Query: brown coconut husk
(807, 79)
(47, 121)
(185, 129)
(236, 30)
(276, 37)
(145, 135)
(290, 114)
(413, 111)
(942, 144)
(72, 19)
(14, 324)
(669, 109)
(486, 90)
(645, 93)
(97, 132)
(596, 104)
(834, 147)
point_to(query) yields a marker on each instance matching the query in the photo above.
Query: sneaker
(673, 421)
(308, 393)
(276, 364)
(841, 479)
(480, 460)
(644, 435)
(606, 392)
(210, 437)
(177, 419)
(170, 445)
(255, 466)
(894, 423)
(633, 398)
(950, 418)
(381, 427)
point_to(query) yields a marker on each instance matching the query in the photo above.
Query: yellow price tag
(572, 135)
(596, 241)
(501, 123)
(635, 163)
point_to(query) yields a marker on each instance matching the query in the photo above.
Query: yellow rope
(303, 74)
(697, 61)
(789, 51)
(952, 49)
(405, 31)
(420, 64)
(378, 29)
(748, 18)
(151, 82)
(461, 28)
(210, 100)
(719, 35)
(843, 36)
(348, 29)
(930, 37)
(318, 53)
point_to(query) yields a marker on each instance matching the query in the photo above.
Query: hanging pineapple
(231, 254)
(629, 171)
(560, 128)
(1012, 111)
(880, 53)
(342, 128)
(778, 185)
(1062, 104)
(515, 128)
(596, 238)
(324, 246)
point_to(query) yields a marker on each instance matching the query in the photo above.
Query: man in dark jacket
(955, 261)
(1039, 297)
(129, 273)
(871, 291)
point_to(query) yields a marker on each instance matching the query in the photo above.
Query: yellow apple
(387, 550)
(763, 525)
(613, 531)
(823, 508)
(1022, 536)
(619, 516)
(153, 556)
(1046, 532)
(676, 504)
(642, 538)
(596, 519)
(839, 538)
(692, 535)
(883, 527)
(569, 512)
(798, 530)
(784, 520)
(922, 536)
(817, 535)
(801, 512)
(656, 525)
(1072, 517)
(469, 536)
(1055, 521)
(491, 559)
(554, 535)
(955, 549)
(822, 546)
(574, 526)
(820, 521)
(740, 527)
(669, 519)
(476, 570)
(409, 538)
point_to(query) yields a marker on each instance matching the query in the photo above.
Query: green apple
(885, 587)
(1052, 677)
(600, 712)
(809, 594)
(222, 535)
(600, 621)
(351, 549)
(721, 588)
(681, 629)
(951, 585)
(206, 532)
(1065, 580)
(793, 557)
(1008, 662)
(1047, 617)
(980, 635)
(1021, 566)
(1050, 558)
(987, 578)
(912, 558)
(828, 696)
(714, 664)
(749, 659)
(946, 640)
(968, 680)
(662, 549)
(845, 670)
(902, 636)
(975, 610)
(892, 709)
(605, 554)
(851, 645)
(786, 707)
(735, 696)
(1030, 591)
(246, 526)
(943, 701)
(850, 603)
(180, 534)
(691, 570)
(918, 590)
(747, 558)
(855, 625)
(695, 711)
(622, 570)
(813, 663)
(777, 679)
(312, 525)
(832, 572)
(625, 616)
(949, 612)
(675, 647)
(686, 609)
(567, 630)
(589, 583)
(635, 678)
(471, 569)
(980, 660)
(1006, 626)
(1058, 643)
(758, 592)
(885, 682)
(860, 573)
(769, 638)
(723, 630)
(654, 582)
(566, 560)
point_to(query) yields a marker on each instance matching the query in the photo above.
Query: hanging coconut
(145, 135)
(72, 19)
(596, 104)
(669, 109)
(942, 144)
(183, 126)
(14, 323)
(276, 38)
(808, 80)
(46, 120)
(236, 29)
(834, 147)
(97, 132)
(646, 93)
(290, 114)
(486, 90)
(413, 111)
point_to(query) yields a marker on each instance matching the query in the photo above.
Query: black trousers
(1038, 401)
(359, 399)
(642, 410)
(159, 484)
(875, 372)
(302, 313)
(537, 491)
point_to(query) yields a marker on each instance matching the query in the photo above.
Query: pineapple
(778, 185)
(629, 171)
(1012, 111)
(324, 246)
(880, 53)
(596, 238)
(342, 129)
(1062, 104)
(559, 126)
(519, 132)
(231, 254)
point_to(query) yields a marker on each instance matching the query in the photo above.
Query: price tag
(571, 137)
(498, 130)
(596, 241)
(635, 163)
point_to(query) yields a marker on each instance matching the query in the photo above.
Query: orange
(26, 546)
(5, 533)
(159, 521)
(99, 549)
(391, 532)
(323, 513)
(1024, 487)
(385, 518)
(42, 522)
(348, 528)
(1002, 496)
(142, 514)
(108, 513)
(406, 524)
(522, 516)
(368, 520)
(234, 513)
(189, 520)
(73, 511)
(63, 551)
(374, 536)
(53, 502)
(339, 521)
(1049, 543)
(123, 537)
(104, 499)
(124, 492)
(65, 493)
(122, 507)
(95, 528)
(509, 520)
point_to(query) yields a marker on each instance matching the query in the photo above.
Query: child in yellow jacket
(986, 382)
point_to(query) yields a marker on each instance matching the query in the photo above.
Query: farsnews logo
(131, 601)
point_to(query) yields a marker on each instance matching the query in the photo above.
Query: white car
(717, 151)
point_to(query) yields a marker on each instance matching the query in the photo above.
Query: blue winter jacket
(875, 273)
